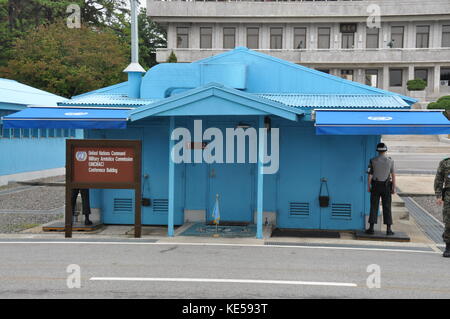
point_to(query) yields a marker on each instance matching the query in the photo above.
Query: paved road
(38, 270)
(417, 162)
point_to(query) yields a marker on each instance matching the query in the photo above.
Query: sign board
(113, 164)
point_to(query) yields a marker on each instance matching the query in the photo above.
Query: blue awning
(75, 118)
(334, 122)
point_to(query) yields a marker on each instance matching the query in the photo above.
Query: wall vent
(341, 211)
(298, 209)
(123, 205)
(161, 205)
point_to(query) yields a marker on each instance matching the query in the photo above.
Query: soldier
(85, 203)
(381, 184)
(442, 190)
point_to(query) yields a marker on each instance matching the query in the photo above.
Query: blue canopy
(75, 118)
(334, 122)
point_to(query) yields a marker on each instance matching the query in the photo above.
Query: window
(182, 37)
(205, 38)
(372, 38)
(35, 132)
(5, 132)
(276, 38)
(372, 77)
(445, 76)
(421, 74)
(323, 40)
(395, 77)
(324, 70)
(25, 133)
(72, 133)
(51, 132)
(446, 36)
(348, 35)
(229, 38)
(347, 74)
(299, 38)
(253, 38)
(16, 132)
(422, 36)
(43, 132)
(397, 37)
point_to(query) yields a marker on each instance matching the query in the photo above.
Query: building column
(410, 72)
(385, 77)
(171, 198)
(260, 191)
(437, 80)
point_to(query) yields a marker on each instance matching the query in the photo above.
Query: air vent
(160, 205)
(297, 209)
(123, 205)
(341, 211)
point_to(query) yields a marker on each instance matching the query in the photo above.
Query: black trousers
(84, 200)
(381, 190)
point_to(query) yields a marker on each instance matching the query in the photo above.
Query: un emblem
(81, 156)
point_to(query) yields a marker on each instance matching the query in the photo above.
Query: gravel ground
(23, 207)
(16, 222)
(429, 203)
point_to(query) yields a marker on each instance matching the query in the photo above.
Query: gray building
(410, 40)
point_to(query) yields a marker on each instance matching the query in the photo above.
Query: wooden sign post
(112, 164)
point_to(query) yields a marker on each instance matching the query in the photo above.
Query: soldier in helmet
(442, 190)
(381, 184)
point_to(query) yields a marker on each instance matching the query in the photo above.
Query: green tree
(67, 61)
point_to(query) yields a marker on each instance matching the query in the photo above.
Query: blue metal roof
(337, 100)
(13, 92)
(117, 100)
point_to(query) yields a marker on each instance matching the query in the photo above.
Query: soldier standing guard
(442, 190)
(381, 184)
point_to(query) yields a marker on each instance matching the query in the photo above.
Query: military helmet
(381, 147)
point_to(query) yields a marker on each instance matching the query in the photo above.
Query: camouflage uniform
(443, 180)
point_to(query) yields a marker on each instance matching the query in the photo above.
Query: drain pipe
(134, 70)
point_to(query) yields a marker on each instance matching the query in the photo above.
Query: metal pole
(134, 33)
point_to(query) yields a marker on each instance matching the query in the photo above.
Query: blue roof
(108, 100)
(337, 100)
(13, 92)
(119, 88)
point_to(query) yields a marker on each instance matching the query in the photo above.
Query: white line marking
(239, 281)
(227, 245)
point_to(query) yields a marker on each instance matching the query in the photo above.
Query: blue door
(234, 183)
(298, 180)
(342, 162)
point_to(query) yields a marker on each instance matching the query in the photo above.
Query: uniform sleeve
(370, 168)
(439, 180)
(392, 167)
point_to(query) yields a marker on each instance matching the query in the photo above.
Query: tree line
(38, 48)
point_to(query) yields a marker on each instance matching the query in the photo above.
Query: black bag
(324, 201)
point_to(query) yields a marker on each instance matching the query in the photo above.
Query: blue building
(323, 129)
(29, 153)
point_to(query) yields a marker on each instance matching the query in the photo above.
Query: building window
(348, 35)
(206, 38)
(276, 38)
(323, 38)
(182, 37)
(372, 38)
(299, 38)
(422, 36)
(372, 77)
(446, 36)
(347, 74)
(229, 38)
(253, 38)
(395, 77)
(445, 76)
(397, 37)
(421, 74)
(324, 70)
(43, 132)
(25, 133)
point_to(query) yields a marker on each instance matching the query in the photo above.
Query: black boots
(447, 251)
(87, 221)
(370, 230)
(389, 231)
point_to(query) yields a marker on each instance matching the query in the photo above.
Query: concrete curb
(444, 139)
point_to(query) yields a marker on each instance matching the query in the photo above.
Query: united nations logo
(81, 156)
(380, 118)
